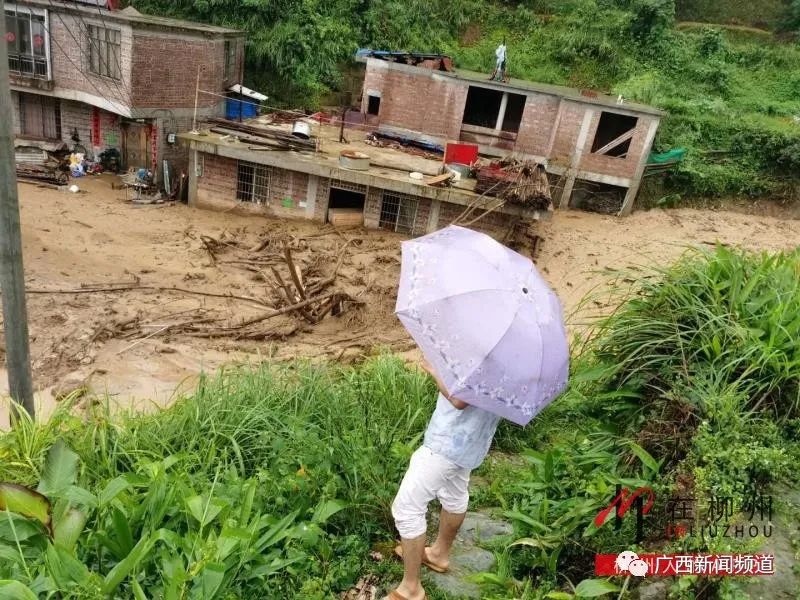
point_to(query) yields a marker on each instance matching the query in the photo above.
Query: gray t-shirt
(461, 436)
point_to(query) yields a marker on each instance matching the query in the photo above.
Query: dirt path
(94, 237)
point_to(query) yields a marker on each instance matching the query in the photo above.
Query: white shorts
(429, 476)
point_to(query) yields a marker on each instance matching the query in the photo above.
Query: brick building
(586, 140)
(590, 146)
(98, 78)
(226, 173)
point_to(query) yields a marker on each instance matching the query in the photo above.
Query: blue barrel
(233, 106)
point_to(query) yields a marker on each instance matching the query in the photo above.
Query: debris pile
(523, 183)
(261, 138)
(412, 147)
(41, 164)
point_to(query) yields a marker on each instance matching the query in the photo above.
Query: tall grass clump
(728, 318)
(267, 482)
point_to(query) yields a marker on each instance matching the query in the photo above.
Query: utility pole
(12, 279)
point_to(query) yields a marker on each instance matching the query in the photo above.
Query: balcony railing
(28, 66)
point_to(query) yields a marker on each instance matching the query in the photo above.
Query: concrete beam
(195, 171)
(636, 182)
(433, 216)
(501, 114)
(580, 145)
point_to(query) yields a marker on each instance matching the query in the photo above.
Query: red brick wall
(165, 70)
(567, 135)
(323, 195)
(433, 105)
(79, 116)
(69, 49)
(217, 185)
(419, 101)
(621, 167)
(290, 188)
(538, 120)
(158, 68)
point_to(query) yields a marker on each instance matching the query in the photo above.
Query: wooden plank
(616, 142)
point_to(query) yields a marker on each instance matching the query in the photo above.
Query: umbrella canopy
(485, 320)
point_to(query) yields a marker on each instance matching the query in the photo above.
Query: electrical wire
(128, 89)
(303, 115)
(120, 95)
(72, 62)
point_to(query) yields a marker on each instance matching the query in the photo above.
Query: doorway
(136, 146)
(346, 207)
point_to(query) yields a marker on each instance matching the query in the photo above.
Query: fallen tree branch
(147, 287)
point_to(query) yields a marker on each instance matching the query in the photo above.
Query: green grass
(276, 481)
(293, 439)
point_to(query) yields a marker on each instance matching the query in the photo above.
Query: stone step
(468, 557)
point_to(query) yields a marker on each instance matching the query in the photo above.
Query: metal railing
(28, 66)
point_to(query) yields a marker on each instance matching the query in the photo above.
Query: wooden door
(136, 146)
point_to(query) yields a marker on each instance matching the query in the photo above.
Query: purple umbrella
(485, 320)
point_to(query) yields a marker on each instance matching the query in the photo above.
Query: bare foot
(441, 560)
(402, 593)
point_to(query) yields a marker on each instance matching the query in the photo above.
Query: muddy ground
(142, 343)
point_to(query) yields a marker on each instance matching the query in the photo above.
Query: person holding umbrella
(493, 338)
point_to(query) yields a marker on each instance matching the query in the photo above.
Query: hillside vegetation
(733, 96)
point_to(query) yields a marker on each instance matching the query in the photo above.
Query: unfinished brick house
(96, 78)
(581, 139)
(590, 143)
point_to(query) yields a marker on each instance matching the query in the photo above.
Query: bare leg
(411, 587)
(449, 524)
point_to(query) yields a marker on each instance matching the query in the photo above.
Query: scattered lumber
(45, 173)
(261, 136)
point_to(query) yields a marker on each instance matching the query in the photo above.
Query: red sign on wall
(154, 147)
(97, 133)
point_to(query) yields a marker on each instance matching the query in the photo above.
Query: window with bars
(105, 47)
(252, 182)
(27, 43)
(398, 212)
(39, 116)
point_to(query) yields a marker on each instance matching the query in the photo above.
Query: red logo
(622, 502)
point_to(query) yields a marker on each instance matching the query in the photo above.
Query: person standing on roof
(500, 65)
